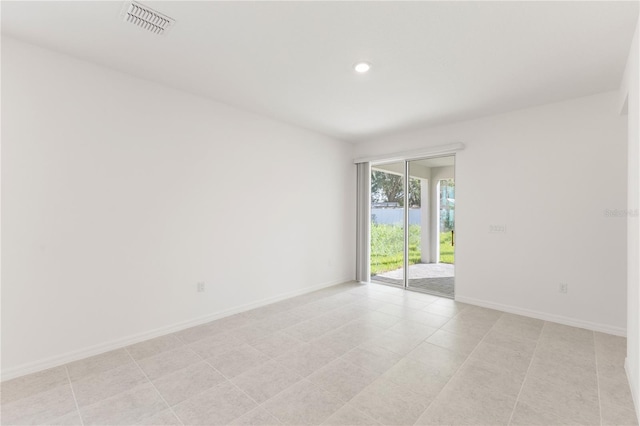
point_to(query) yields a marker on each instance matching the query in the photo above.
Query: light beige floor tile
(348, 313)
(427, 318)
(232, 322)
(567, 332)
(130, 407)
(564, 371)
(479, 374)
(401, 344)
(586, 360)
(417, 295)
(310, 329)
(524, 415)
(452, 306)
(569, 402)
(199, 332)
(343, 379)
(465, 405)
(337, 341)
(276, 344)
(372, 357)
(508, 359)
(278, 322)
(614, 388)
(395, 310)
(252, 332)
(238, 360)
(154, 346)
(369, 303)
(215, 345)
(390, 299)
(610, 349)
(426, 380)
(389, 404)
(31, 384)
(348, 415)
(313, 309)
(389, 289)
(475, 315)
(566, 347)
(343, 340)
(98, 364)
(468, 326)
(218, 405)
(401, 300)
(185, 383)
(361, 329)
(307, 358)
(462, 343)
(443, 301)
(612, 415)
(511, 341)
(380, 319)
(97, 387)
(444, 311)
(428, 353)
(303, 404)
(266, 381)
(567, 340)
(168, 362)
(256, 417)
(163, 418)
(71, 419)
(39, 408)
(414, 329)
(516, 325)
(415, 304)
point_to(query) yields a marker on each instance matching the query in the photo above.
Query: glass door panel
(387, 223)
(431, 233)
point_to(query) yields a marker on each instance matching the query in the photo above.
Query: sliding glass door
(388, 223)
(412, 224)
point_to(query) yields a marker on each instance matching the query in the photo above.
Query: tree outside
(387, 239)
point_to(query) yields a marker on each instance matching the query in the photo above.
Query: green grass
(387, 242)
(446, 249)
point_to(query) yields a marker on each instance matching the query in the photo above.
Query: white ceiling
(433, 62)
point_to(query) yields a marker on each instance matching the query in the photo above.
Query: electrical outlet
(200, 287)
(563, 288)
(497, 229)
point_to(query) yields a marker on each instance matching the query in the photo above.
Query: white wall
(119, 195)
(548, 174)
(630, 90)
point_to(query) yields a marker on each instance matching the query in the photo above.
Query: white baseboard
(58, 360)
(603, 328)
(632, 386)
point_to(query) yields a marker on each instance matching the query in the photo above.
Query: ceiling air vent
(147, 18)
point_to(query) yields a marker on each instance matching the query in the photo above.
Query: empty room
(320, 213)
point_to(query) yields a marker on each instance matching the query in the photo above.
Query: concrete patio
(435, 278)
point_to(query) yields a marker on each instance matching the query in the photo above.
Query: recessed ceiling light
(362, 67)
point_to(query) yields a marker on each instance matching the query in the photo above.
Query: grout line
(526, 375)
(258, 404)
(302, 378)
(461, 365)
(597, 376)
(154, 386)
(74, 395)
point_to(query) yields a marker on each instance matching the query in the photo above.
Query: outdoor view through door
(412, 224)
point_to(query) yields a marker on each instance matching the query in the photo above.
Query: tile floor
(351, 354)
